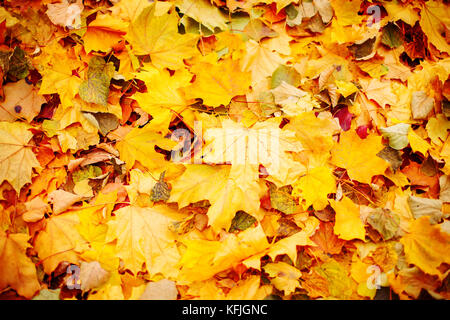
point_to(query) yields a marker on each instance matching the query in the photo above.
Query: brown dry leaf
(36, 209)
(92, 275)
(62, 200)
(160, 290)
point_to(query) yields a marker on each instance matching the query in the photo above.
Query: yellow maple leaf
(437, 129)
(339, 283)
(359, 156)
(264, 143)
(315, 135)
(56, 66)
(417, 143)
(103, 33)
(289, 244)
(139, 145)
(434, 17)
(17, 159)
(17, 270)
(143, 235)
(285, 277)
(163, 98)
(346, 12)
(397, 11)
(203, 12)
(260, 60)
(315, 186)
(379, 91)
(426, 245)
(204, 258)
(158, 37)
(217, 84)
(228, 190)
(249, 289)
(60, 241)
(129, 10)
(348, 223)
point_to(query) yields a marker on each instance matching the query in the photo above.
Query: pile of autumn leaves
(93, 204)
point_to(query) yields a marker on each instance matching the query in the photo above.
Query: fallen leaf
(426, 246)
(18, 271)
(160, 290)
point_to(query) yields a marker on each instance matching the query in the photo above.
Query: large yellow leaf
(379, 91)
(163, 97)
(143, 235)
(56, 66)
(427, 246)
(339, 284)
(139, 145)
(285, 277)
(260, 60)
(434, 19)
(103, 33)
(315, 135)
(315, 186)
(17, 159)
(264, 143)
(347, 12)
(17, 270)
(398, 12)
(348, 223)
(228, 189)
(204, 258)
(289, 244)
(59, 241)
(218, 83)
(158, 37)
(204, 12)
(129, 10)
(359, 156)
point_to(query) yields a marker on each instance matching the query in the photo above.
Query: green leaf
(86, 173)
(282, 200)
(241, 221)
(96, 88)
(99, 65)
(47, 294)
(19, 65)
(291, 11)
(286, 74)
(392, 36)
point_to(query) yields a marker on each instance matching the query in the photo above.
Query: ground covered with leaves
(224, 149)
